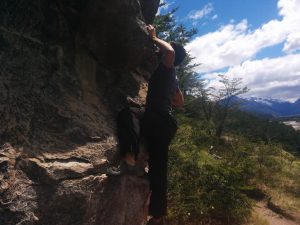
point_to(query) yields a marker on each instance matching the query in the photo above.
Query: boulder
(64, 192)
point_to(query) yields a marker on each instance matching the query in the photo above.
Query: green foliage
(261, 129)
(189, 81)
(222, 190)
(169, 30)
(203, 186)
(210, 177)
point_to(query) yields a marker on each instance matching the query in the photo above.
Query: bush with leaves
(202, 186)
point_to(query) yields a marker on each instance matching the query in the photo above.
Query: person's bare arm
(165, 47)
(178, 99)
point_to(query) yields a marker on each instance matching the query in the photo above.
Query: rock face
(66, 70)
(112, 43)
(67, 190)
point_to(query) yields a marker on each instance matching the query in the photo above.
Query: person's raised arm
(165, 47)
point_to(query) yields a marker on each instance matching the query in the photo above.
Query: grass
(284, 188)
(284, 199)
(256, 219)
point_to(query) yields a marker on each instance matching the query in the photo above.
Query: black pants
(158, 131)
(128, 124)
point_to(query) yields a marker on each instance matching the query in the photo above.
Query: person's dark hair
(180, 53)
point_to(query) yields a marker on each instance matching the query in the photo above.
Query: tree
(169, 30)
(224, 100)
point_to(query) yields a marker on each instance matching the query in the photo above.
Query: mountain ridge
(269, 106)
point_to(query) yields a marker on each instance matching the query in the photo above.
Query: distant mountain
(269, 107)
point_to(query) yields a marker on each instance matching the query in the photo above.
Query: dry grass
(286, 191)
(256, 219)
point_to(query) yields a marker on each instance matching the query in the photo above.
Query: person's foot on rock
(125, 168)
(156, 221)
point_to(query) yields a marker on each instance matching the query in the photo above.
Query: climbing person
(128, 133)
(158, 126)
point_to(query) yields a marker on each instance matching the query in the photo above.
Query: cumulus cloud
(219, 49)
(199, 14)
(235, 46)
(277, 77)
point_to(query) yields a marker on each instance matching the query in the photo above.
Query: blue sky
(226, 11)
(257, 40)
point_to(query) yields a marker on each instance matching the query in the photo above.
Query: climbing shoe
(125, 168)
(153, 221)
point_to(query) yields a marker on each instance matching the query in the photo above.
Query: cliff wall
(66, 68)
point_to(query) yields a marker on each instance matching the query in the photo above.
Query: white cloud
(199, 14)
(235, 45)
(214, 17)
(164, 7)
(218, 49)
(277, 77)
(292, 43)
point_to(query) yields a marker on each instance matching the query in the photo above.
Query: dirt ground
(274, 219)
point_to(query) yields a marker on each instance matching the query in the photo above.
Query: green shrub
(209, 177)
(199, 191)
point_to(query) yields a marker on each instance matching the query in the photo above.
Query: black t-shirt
(161, 89)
